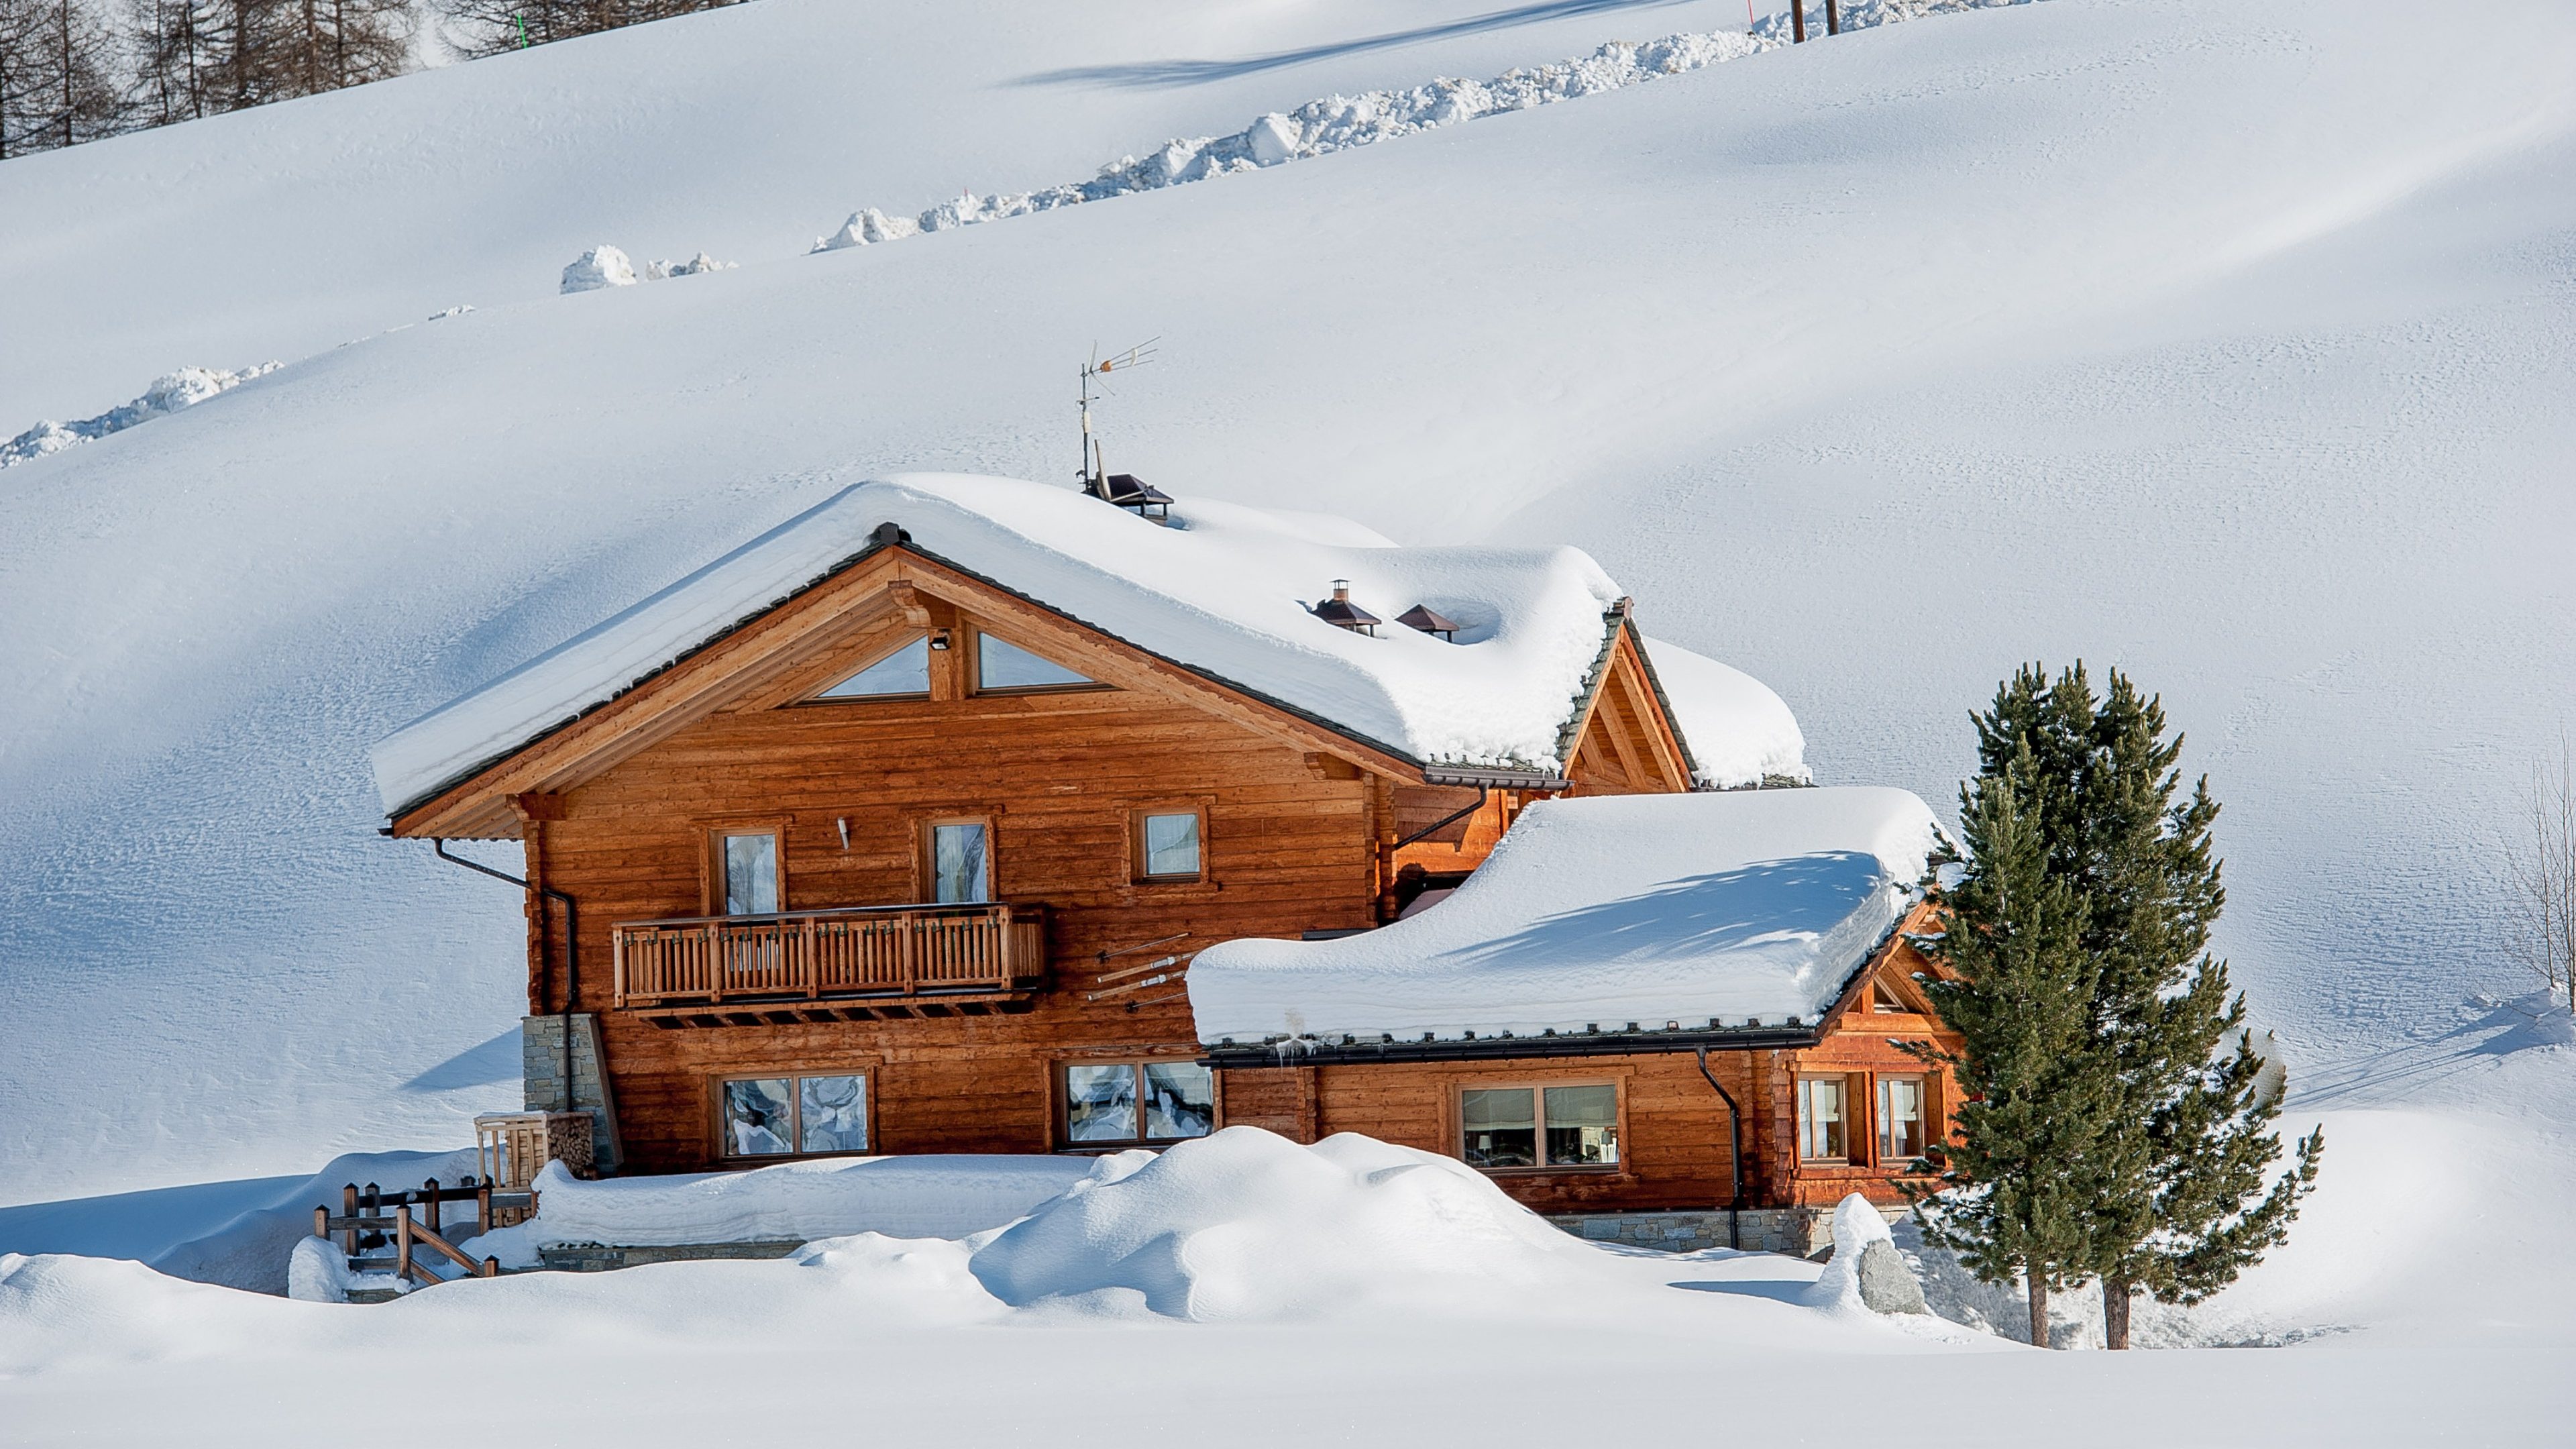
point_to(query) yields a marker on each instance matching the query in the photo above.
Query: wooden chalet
(900, 828)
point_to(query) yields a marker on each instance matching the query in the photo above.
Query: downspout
(1734, 1154)
(572, 950)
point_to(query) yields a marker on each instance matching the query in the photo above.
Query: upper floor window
(785, 1116)
(1167, 844)
(750, 864)
(903, 673)
(1111, 1103)
(1824, 1112)
(1001, 665)
(1576, 1125)
(961, 867)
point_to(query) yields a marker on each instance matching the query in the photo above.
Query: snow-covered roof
(1226, 590)
(1739, 908)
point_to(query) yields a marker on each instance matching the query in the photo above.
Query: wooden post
(483, 1207)
(1797, 22)
(322, 1222)
(1833, 19)
(349, 1209)
(715, 965)
(429, 1197)
(491, 1268)
(402, 1241)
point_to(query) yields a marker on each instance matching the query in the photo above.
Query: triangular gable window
(1885, 1001)
(904, 672)
(1001, 665)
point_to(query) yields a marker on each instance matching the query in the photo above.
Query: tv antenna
(1095, 373)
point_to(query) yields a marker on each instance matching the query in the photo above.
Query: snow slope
(1872, 367)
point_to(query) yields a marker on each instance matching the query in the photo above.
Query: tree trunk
(2115, 1314)
(2038, 1311)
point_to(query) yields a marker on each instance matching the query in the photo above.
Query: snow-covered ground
(2228, 343)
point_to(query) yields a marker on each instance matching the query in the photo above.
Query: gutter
(572, 954)
(1302, 1051)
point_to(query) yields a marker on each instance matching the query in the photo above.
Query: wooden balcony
(856, 964)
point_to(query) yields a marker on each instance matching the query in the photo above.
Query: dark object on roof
(1129, 491)
(1340, 612)
(1424, 618)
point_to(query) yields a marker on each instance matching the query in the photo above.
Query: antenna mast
(1093, 472)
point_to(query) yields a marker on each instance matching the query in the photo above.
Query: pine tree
(2014, 1194)
(2188, 1152)
(488, 27)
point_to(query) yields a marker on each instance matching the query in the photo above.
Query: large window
(1001, 665)
(1824, 1113)
(749, 862)
(904, 673)
(1900, 1120)
(1110, 1103)
(1576, 1125)
(1167, 844)
(788, 1116)
(961, 864)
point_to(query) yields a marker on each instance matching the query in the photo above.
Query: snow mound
(1339, 123)
(1742, 908)
(1248, 1225)
(169, 393)
(906, 1197)
(694, 266)
(601, 266)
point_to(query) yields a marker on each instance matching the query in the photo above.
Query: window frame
(974, 670)
(1857, 1132)
(926, 858)
(930, 671)
(1059, 1088)
(795, 1076)
(1879, 1117)
(1617, 1082)
(1137, 856)
(711, 862)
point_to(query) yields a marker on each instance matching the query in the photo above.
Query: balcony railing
(837, 955)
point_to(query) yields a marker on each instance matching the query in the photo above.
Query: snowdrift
(903, 1197)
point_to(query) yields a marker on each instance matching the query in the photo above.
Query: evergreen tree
(488, 27)
(2183, 1149)
(2014, 1197)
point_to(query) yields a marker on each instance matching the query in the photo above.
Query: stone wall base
(1802, 1232)
(541, 1061)
(597, 1258)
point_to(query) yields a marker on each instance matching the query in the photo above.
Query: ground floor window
(1110, 1103)
(1575, 1125)
(1900, 1120)
(786, 1116)
(1824, 1111)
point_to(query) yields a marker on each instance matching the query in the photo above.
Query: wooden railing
(889, 951)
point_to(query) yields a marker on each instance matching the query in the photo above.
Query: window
(1167, 845)
(1520, 1127)
(1108, 1103)
(905, 672)
(1823, 1107)
(790, 1116)
(750, 865)
(1001, 665)
(961, 866)
(1885, 1002)
(1900, 1119)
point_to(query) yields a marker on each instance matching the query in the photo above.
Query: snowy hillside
(1873, 367)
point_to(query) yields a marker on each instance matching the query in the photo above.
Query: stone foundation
(599, 1258)
(541, 1069)
(1802, 1232)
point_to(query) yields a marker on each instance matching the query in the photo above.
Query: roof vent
(1341, 613)
(1132, 493)
(1424, 618)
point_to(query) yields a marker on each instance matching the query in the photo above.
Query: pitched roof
(1226, 591)
(1730, 908)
